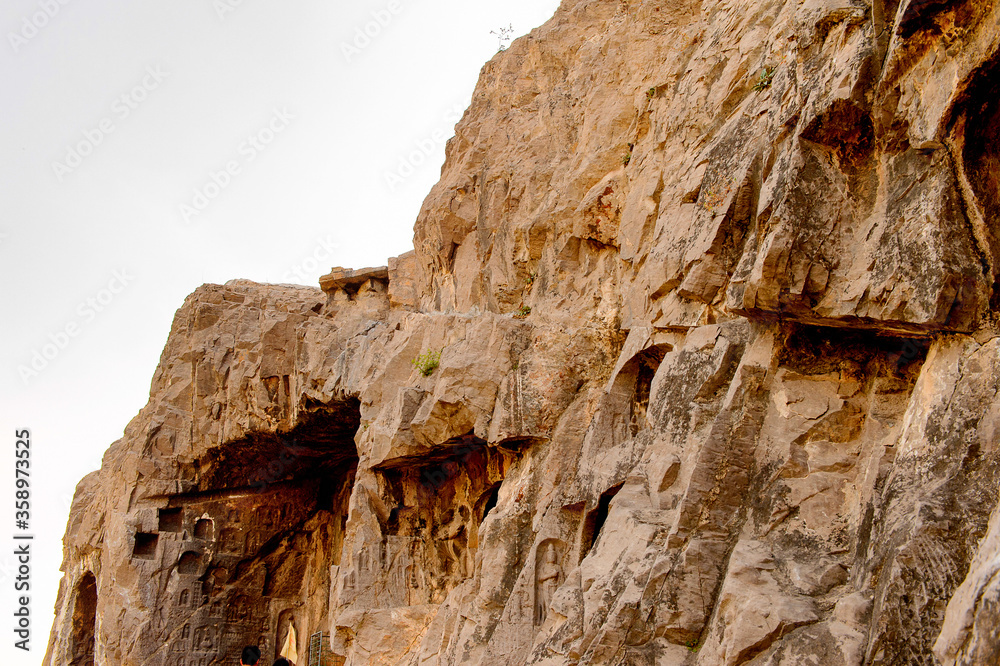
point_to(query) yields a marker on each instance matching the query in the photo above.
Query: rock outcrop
(694, 362)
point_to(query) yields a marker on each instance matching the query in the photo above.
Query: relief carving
(286, 635)
(232, 639)
(548, 576)
(405, 577)
(454, 534)
(431, 527)
(205, 638)
(350, 581)
(238, 611)
(231, 541)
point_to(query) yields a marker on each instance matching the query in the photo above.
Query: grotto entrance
(435, 509)
(235, 551)
(977, 126)
(595, 520)
(84, 621)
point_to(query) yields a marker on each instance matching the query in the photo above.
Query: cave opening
(84, 621)
(321, 445)
(264, 513)
(487, 502)
(982, 148)
(435, 508)
(980, 118)
(595, 520)
(818, 349)
(644, 366)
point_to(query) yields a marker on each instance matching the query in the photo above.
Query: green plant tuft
(651, 93)
(627, 157)
(523, 312)
(427, 362)
(692, 645)
(764, 80)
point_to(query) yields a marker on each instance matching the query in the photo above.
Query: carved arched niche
(550, 573)
(189, 563)
(286, 636)
(204, 529)
(594, 521)
(632, 385)
(84, 621)
(975, 131)
(487, 501)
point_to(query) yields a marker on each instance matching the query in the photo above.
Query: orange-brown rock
(694, 362)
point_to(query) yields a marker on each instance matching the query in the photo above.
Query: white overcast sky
(87, 213)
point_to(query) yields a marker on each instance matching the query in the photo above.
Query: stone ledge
(351, 279)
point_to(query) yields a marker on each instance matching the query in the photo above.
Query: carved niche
(549, 575)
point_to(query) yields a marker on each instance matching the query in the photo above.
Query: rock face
(694, 362)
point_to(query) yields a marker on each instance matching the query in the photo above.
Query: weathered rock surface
(713, 288)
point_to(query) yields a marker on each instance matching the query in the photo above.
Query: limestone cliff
(713, 289)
